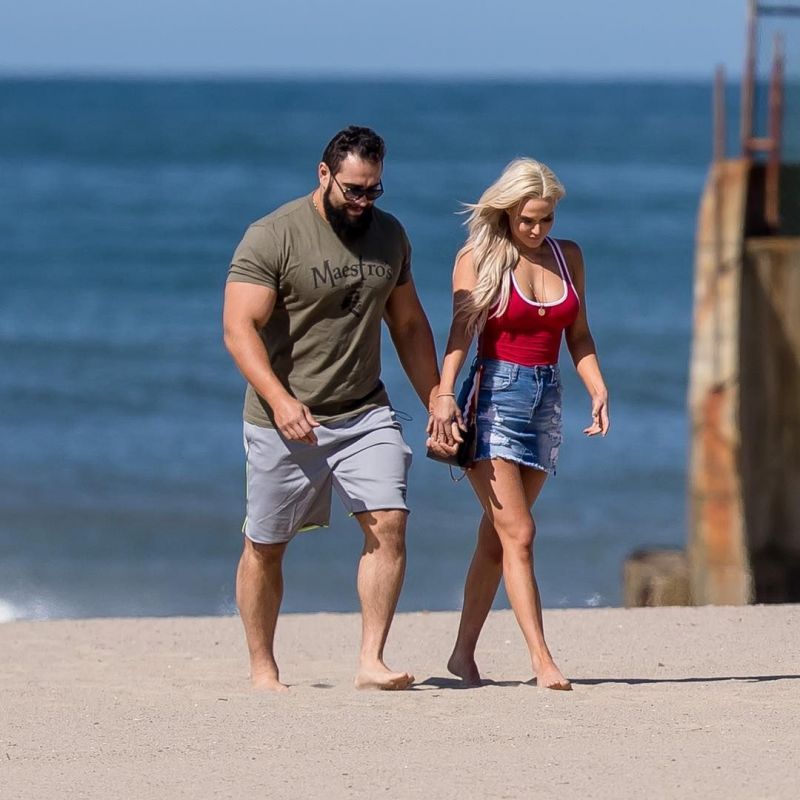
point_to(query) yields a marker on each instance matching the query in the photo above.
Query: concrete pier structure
(743, 542)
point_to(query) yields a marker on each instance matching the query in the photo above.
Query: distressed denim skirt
(518, 414)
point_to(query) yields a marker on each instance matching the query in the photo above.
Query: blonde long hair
(494, 253)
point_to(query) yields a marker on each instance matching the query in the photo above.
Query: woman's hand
(445, 423)
(600, 422)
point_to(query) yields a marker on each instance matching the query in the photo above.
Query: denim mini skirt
(518, 414)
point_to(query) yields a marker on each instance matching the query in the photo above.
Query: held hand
(295, 421)
(444, 422)
(441, 449)
(600, 422)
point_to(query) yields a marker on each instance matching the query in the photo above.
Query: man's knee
(385, 530)
(265, 554)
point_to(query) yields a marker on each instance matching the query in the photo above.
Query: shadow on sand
(455, 683)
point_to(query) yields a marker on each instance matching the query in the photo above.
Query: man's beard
(344, 226)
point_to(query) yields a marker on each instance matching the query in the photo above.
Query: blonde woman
(519, 290)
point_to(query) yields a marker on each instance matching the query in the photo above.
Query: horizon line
(346, 76)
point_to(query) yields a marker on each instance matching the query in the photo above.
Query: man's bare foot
(267, 680)
(550, 677)
(464, 668)
(381, 677)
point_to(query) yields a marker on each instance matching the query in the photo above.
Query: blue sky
(445, 38)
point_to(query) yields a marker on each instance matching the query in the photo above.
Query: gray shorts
(289, 483)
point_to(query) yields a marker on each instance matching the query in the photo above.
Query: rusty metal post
(719, 114)
(748, 79)
(772, 212)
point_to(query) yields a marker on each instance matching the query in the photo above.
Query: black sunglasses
(357, 192)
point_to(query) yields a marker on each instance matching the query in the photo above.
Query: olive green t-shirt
(324, 335)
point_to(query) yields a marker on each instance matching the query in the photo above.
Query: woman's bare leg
(501, 488)
(483, 578)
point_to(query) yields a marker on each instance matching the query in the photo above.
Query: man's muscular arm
(413, 340)
(246, 310)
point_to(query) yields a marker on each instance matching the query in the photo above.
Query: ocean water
(121, 464)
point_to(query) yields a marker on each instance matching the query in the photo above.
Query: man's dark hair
(361, 142)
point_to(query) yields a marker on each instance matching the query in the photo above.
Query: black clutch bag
(464, 456)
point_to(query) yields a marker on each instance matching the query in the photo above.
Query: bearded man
(306, 292)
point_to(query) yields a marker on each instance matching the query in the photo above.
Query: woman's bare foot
(550, 677)
(464, 668)
(266, 679)
(379, 676)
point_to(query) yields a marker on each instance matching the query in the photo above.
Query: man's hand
(445, 423)
(445, 426)
(441, 449)
(294, 420)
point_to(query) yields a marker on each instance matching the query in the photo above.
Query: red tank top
(521, 335)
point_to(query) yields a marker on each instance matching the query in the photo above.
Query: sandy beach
(671, 702)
